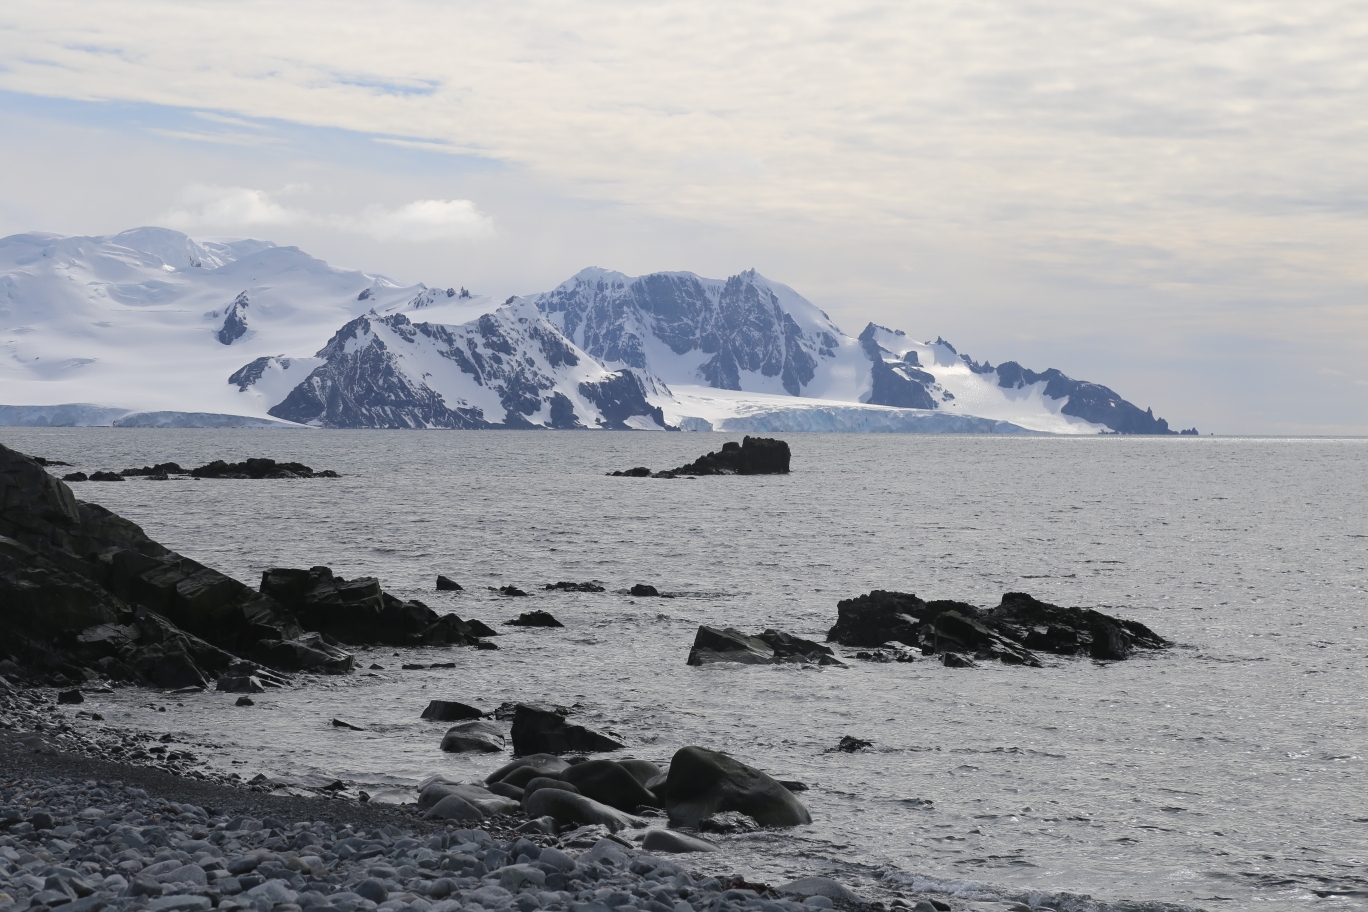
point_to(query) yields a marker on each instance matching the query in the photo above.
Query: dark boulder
(669, 842)
(450, 711)
(485, 737)
(76, 476)
(161, 468)
(534, 619)
(610, 783)
(448, 585)
(540, 764)
(239, 684)
(258, 469)
(307, 652)
(105, 476)
(71, 697)
(850, 744)
(704, 782)
(887, 617)
(642, 590)
(638, 472)
(752, 456)
(1070, 631)
(953, 632)
(537, 783)
(956, 660)
(642, 770)
(771, 647)
(539, 730)
(567, 807)
(508, 590)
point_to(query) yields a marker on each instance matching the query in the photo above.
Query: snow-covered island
(151, 328)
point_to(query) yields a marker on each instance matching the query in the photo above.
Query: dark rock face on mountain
(1089, 401)
(619, 397)
(88, 594)
(901, 384)
(517, 366)
(704, 782)
(357, 611)
(740, 323)
(362, 385)
(1011, 632)
(772, 647)
(234, 321)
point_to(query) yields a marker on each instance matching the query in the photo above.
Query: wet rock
(670, 843)
(539, 764)
(538, 783)
(105, 476)
(752, 456)
(728, 822)
(534, 619)
(642, 770)
(891, 652)
(610, 783)
(1070, 631)
(575, 587)
(508, 590)
(258, 468)
(71, 697)
(448, 585)
(820, 886)
(850, 744)
(955, 660)
(704, 782)
(485, 737)
(953, 632)
(161, 468)
(245, 701)
(76, 476)
(539, 730)
(881, 617)
(450, 711)
(567, 807)
(307, 652)
(504, 790)
(642, 590)
(731, 645)
(338, 723)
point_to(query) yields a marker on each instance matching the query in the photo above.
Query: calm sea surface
(1223, 773)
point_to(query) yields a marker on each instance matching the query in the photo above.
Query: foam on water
(1229, 767)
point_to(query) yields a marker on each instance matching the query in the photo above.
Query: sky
(1167, 198)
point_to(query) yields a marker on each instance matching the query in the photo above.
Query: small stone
(245, 701)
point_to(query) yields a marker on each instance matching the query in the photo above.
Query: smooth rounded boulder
(485, 737)
(670, 842)
(567, 807)
(642, 770)
(544, 764)
(705, 782)
(454, 807)
(542, 782)
(610, 783)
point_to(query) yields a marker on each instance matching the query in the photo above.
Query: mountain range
(153, 328)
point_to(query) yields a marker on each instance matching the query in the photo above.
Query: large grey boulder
(567, 807)
(704, 782)
(484, 737)
(610, 783)
(670, 842)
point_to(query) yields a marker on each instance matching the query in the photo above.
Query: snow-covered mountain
(153, 328)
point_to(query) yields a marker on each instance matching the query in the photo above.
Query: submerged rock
(448, 585)
(643, 590)
(564, 586)
(450, 711)
(484, 737)
(670, 842)
(258, 468)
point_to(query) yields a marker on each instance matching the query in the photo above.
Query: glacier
(153, 328)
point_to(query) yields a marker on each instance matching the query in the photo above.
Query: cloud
(205, 206)
(422, 220)
(215, 208)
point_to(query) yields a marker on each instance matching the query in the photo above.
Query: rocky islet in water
(752, 456)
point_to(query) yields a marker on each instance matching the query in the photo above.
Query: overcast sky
(1168, 198)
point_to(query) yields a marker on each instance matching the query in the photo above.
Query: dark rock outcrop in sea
(1013, 632)
(534, 619)
(256, 468)
(769, 648)
(704, 782)
(359, 612)
(752, 456)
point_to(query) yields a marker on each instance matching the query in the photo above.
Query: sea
(1225, 773)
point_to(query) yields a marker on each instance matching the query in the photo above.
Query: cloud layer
(206, 207)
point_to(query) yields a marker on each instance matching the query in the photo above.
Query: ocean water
(1227, 772)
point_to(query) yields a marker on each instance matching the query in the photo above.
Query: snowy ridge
(151, 327)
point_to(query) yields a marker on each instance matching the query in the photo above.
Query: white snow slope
(145, 328)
